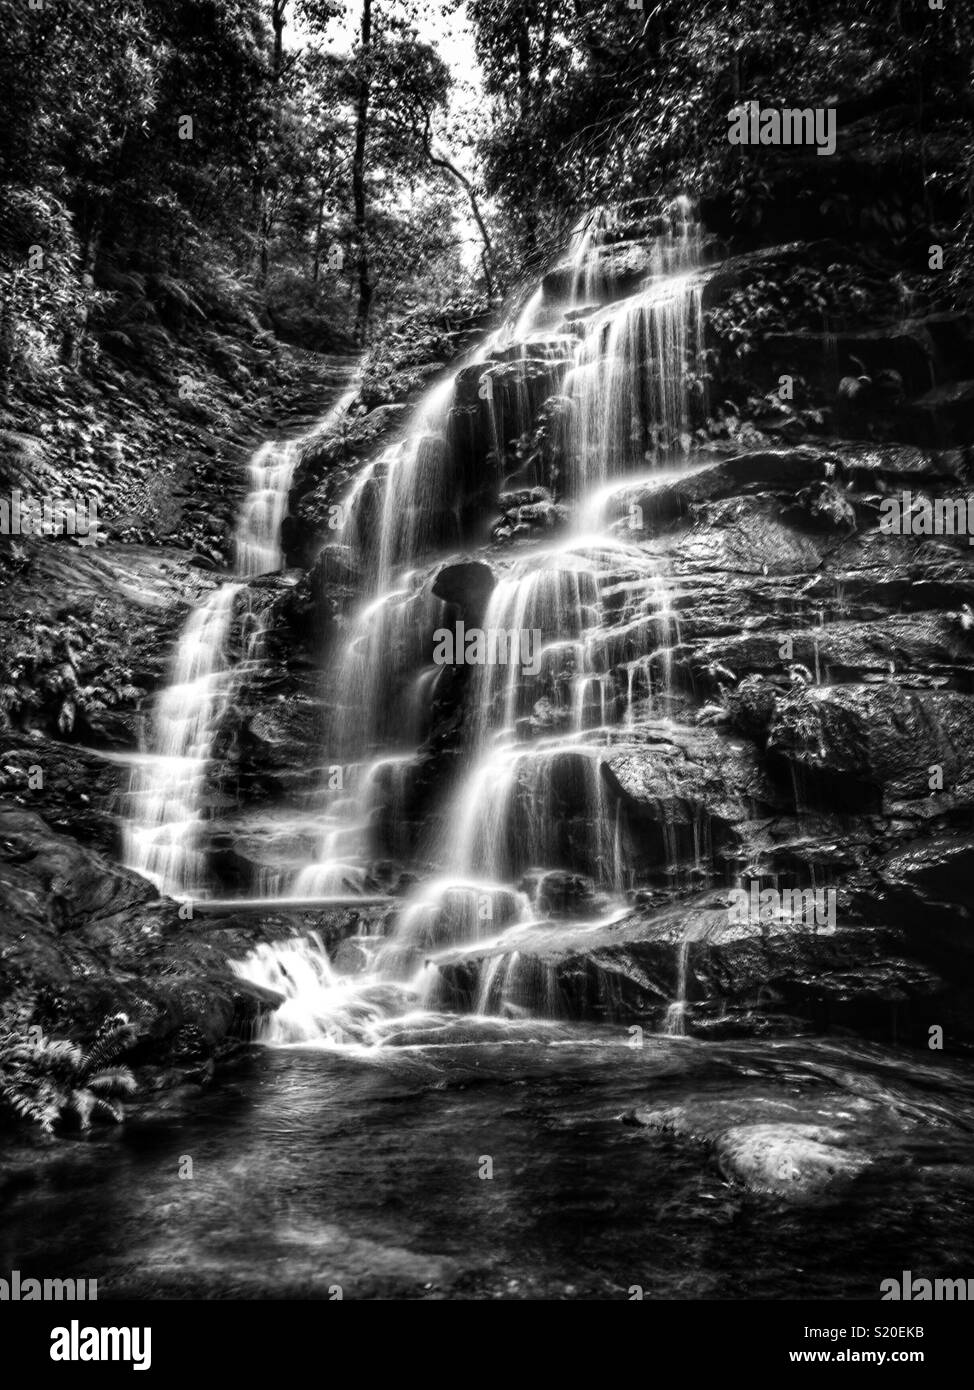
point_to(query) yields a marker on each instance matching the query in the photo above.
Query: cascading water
(167, 789)
(530, 803)
(622, 414)
(258, 540)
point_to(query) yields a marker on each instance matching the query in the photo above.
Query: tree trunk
(365, 288)
(316, 259)
(74, 335)
(278, 15)
(257, 212)
(278, 18)
(523, 41)
(487, 255)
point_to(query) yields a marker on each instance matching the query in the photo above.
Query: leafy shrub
(58, 670)
(393, 366)
(39, 306)
(43, 1080)
(837, 297)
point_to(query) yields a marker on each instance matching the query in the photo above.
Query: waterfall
(539, 807)
(167, 789)
(622, 415)
(271, 470)
(560, 605)
(528, 818)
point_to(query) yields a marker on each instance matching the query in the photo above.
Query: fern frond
(82, 1102)
(105, 1107)
(114, 1081)
(114, 1036)
(58, 1055)
(41, 1078)
(38, 1108)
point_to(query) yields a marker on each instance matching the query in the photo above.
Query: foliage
(757, 705)
(70, 668)
(43, 1080)
(36, 311)
(164, 159)
(830, 299)
(957, 284)
(750, 706)
(398, 362)
(601, 102)
(797, 725)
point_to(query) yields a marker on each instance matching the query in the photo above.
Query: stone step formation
(745, 681)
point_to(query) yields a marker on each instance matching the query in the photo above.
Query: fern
(42, 1079)
(114, 1036)
(116, 1081)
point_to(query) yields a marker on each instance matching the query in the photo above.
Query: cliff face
(793, 714)
(792, 722)
(88, 628)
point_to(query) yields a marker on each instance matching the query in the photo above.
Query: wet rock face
(736, 978)
(85, 938)
(621, 266)
(791, 710)
(467, 587)
(877, 652)
(562, 894)
(73, 884)
(897, 741)
(73, 790)
(324, 471)
(835, 660)
(764, 471)
(820, 676)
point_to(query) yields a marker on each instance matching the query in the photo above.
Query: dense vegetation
(311, 166)
(166, 162)
(611, 100)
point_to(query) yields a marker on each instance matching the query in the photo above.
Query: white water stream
(530, 800)
(167, 788)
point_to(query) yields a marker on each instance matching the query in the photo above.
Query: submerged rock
(796, 1162)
